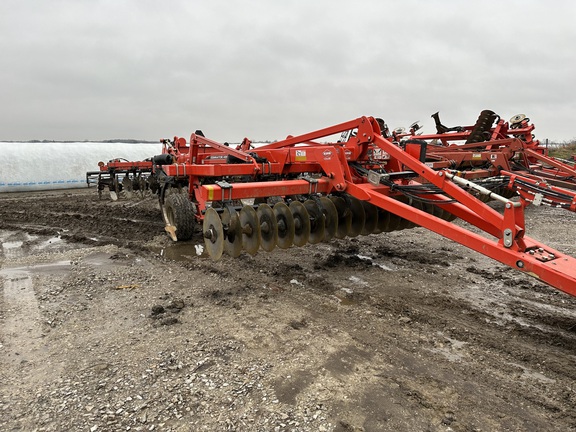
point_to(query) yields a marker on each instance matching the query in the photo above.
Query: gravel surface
(107, 325)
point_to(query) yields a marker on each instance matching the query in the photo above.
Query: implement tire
(178, 212)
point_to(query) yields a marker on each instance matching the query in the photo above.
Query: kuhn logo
(327, 154)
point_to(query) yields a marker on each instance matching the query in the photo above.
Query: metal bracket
(264, 164)
(312, 181)
(375, 178)
(542, 255)
(225, 186)
(508, 239)
(537, 201)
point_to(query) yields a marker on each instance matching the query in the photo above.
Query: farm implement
(360, 178)
(122, 175)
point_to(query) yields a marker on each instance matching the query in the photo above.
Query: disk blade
(371, 221)
(358, 216)
(213, 234)
(285, 224)
(301, 223)
(268, 227)
(316, 221)
(250, 230)
(233, 230)
(344, 216)
(330, 218)
(383, 221)
(127, 184)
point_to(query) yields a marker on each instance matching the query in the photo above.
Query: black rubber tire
(178, 211)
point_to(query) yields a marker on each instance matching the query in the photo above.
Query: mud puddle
(20, 244)
(182, 252)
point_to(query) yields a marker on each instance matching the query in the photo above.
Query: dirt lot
(108, 326)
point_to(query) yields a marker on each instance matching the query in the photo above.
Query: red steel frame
(303, 165)
(329, 171)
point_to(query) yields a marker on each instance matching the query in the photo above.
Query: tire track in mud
(22, 334)
(532, 345)
(467, 357)
(427, 346)
(83, 218)
(21, 329)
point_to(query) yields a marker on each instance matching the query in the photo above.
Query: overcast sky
(144, 69)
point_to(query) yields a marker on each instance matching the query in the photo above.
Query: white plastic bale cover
(58, 165)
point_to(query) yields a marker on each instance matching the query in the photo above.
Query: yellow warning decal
(210, 192)
(300, 155)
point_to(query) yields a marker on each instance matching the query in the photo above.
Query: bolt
(210, 234)
(297, 223)
(247, 229)
(265, 227)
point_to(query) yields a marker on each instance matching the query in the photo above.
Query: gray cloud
(151, 69)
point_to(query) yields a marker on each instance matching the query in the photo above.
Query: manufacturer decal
(300, 155)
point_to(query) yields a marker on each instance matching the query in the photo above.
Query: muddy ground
(108, 326)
